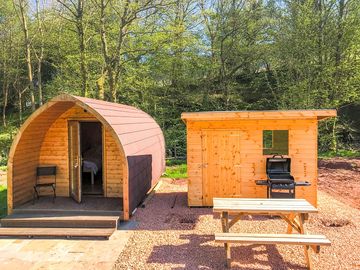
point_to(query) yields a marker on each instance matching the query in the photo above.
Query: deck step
(58, 221)
(57, 232)
(67, 212)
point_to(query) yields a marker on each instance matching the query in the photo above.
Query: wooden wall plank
(250, 162)
(45, 141)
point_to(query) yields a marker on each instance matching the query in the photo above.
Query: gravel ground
(340, 177)
(169, 235)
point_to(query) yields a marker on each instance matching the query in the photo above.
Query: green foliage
(7, 135)
(3, 201)
(172, 162)
(340, 153)
(176, 171)
(167, 57)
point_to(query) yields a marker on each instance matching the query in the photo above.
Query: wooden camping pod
(133, 149)
(225, 152)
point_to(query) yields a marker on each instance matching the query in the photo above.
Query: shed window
(275, 142)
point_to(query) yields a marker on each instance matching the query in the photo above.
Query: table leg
(306, 248)
(290, 228)
(225, 229)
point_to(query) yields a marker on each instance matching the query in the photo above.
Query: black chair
(44, 179)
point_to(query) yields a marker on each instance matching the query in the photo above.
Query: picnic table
(293, 211)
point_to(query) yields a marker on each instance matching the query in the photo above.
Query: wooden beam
(274, 114)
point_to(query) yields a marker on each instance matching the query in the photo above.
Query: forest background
(173, 56)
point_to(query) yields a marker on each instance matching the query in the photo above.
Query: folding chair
(44, 179)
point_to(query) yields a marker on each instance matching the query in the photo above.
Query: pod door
(74, 160)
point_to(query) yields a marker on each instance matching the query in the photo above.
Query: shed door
(75, 160)
(221, 164)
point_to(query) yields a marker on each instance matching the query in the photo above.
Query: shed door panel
(221, 164)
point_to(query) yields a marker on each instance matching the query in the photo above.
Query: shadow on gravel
(199, 253)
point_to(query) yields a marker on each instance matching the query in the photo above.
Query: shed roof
(257, 115)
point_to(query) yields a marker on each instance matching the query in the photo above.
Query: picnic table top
(263, 205)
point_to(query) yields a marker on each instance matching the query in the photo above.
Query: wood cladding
(130, 137)
(226, 157)
(25, 158)
(58, 153)
(131, 140)
(50, 146)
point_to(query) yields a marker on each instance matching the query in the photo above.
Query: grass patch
(341, 153)
(3, 201)
(7, 135)
(172, 162)
(176, 169)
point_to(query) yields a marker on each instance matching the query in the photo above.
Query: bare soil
(170, 235)
(340, 178)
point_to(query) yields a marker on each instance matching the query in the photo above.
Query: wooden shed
(123, 146)
(227, 151)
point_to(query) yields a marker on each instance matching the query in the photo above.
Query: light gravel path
(183, 238)
(61, 254)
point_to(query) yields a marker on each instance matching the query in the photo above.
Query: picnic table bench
(293, 211)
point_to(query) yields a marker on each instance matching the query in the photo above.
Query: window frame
(274, 149)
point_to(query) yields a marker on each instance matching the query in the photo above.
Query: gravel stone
(174, 236)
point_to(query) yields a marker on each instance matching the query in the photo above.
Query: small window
(275, 142)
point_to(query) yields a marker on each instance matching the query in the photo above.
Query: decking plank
(57, 221)
(57, 232)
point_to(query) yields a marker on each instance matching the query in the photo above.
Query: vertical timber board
(10, 204)
(104, 159)
(194, 161)
(55, 150)
(114, 166)
(221, 164)
(205, 164)
(302, 151)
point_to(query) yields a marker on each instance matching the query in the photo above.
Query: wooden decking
(95, 217)
(57, 232)
(59, 221)
(55, 225)
(88, 203)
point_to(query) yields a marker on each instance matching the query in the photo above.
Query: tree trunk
(5, 86)
(100, 84)
(20, 107)
(76, 11)
(334, 137)
(83, 67)
(41, 55)
(27, 43)
(5, 96)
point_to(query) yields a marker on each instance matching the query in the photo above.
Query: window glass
(275, 142)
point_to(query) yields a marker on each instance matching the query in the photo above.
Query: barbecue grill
(280, 183)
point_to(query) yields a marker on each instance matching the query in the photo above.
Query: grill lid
(277, 164)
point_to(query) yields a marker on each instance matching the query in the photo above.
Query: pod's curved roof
(136, 132)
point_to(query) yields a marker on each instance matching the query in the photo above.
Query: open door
(75, 160)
